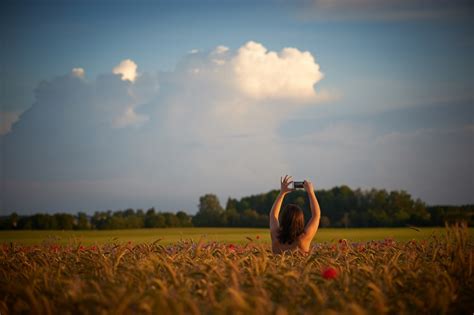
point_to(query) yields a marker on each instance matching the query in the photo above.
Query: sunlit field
(227, 235)
(427, 276)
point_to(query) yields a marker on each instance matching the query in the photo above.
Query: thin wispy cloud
(385, 10)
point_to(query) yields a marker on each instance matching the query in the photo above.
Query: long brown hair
(291, 224)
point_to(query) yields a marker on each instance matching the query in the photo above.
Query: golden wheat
(378, 277)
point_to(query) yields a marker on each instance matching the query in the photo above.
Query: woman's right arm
(275, 212)
(313, 223)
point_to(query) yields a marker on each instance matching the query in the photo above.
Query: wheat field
(167, 236)
(433, 276)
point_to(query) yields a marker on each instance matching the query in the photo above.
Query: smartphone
(298, 185)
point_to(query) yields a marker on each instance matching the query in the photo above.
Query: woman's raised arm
(313, 223)
(275, 212)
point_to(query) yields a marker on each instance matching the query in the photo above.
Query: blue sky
(393, 107)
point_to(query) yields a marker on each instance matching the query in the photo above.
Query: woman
(290, 233)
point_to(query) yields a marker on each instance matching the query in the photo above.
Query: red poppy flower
(231, 247)
(330, 273)
(258, 237)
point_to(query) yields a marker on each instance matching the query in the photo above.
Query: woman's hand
(308, 186)
(285, 185)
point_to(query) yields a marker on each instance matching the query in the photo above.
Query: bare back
(300, 244)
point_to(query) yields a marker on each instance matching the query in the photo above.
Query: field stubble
(377, 277)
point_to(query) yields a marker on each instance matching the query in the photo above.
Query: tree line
(100, 220)
(340, 207)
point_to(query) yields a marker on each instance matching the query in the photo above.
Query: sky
(138, 104)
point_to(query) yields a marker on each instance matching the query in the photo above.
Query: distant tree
(10, 222)
(437, 214)
(171, 220)
(210, 211)
(64, 221)
(100, 220)
(83, 222)
(232, 217)
(25, 223)
(160, 220)
(151, 219)
(419, 215)
(249, 218)
(231, 204)
(184, 219)
(379, 217)
(42, 221)
(128, 213)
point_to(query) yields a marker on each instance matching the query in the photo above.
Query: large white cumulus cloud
(289, 74)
